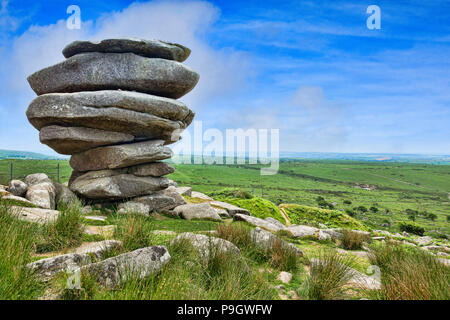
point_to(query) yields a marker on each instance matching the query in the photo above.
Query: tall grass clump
(221, 275)
(352, 240)
(328, 276)
(135, 231)
(408, 273)
(278, 254)
(17, 282)
(66, 231)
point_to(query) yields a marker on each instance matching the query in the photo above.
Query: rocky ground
(199, 220)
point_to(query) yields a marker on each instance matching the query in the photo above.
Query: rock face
(111, 106)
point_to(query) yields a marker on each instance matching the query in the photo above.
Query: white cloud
(223, 72)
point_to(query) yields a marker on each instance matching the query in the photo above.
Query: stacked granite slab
(111, 106)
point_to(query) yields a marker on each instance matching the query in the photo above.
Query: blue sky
(310, 68)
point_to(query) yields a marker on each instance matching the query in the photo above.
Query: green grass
(16, 248)
(408, 273)
(300, 214)
(258, 207)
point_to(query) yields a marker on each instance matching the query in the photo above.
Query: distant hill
(377, 157)
(13, 154)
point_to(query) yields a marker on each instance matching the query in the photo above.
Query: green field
(396, 186)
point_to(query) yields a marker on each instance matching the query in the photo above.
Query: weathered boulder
(232, 209)
(134, 208)
(195, 194)
(197, 211)
(257, 222)
(70, 140)
(63, 194)
(36, 215)
(275, 222)
(47, 268)
(141, 47)
(140, 263)
(36, 178)
(107, 184)
(128, 100)
(92, 71)
(154, 169)
(265, 239)
(17, 188)
(333, 234)
(42, 194)
(302, 231)
(140, 125)
(184, 191)
(206, 245)
(171, 191)
(18, 200)
(157, 201)
(120, 156)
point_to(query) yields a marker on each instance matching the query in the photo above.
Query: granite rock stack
(111, 106)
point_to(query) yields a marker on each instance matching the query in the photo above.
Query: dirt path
(285, 216)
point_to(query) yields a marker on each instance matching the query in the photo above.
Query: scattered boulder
(300, 231)
(333, 234)
(36, 215)
(196, 211)
(205, 245)
(133, 207)
(19, 200)
(36, 178)
(156, 201)
(184, 191)
(275, 222)
(265, 239)
(63, 194)
(47, 268)
(195, 194)
(232, 209)
(257, 222)
(17, 188)
(140, 263)
(42, 194)
(171, 192)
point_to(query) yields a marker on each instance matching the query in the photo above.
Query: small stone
(285, 277)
